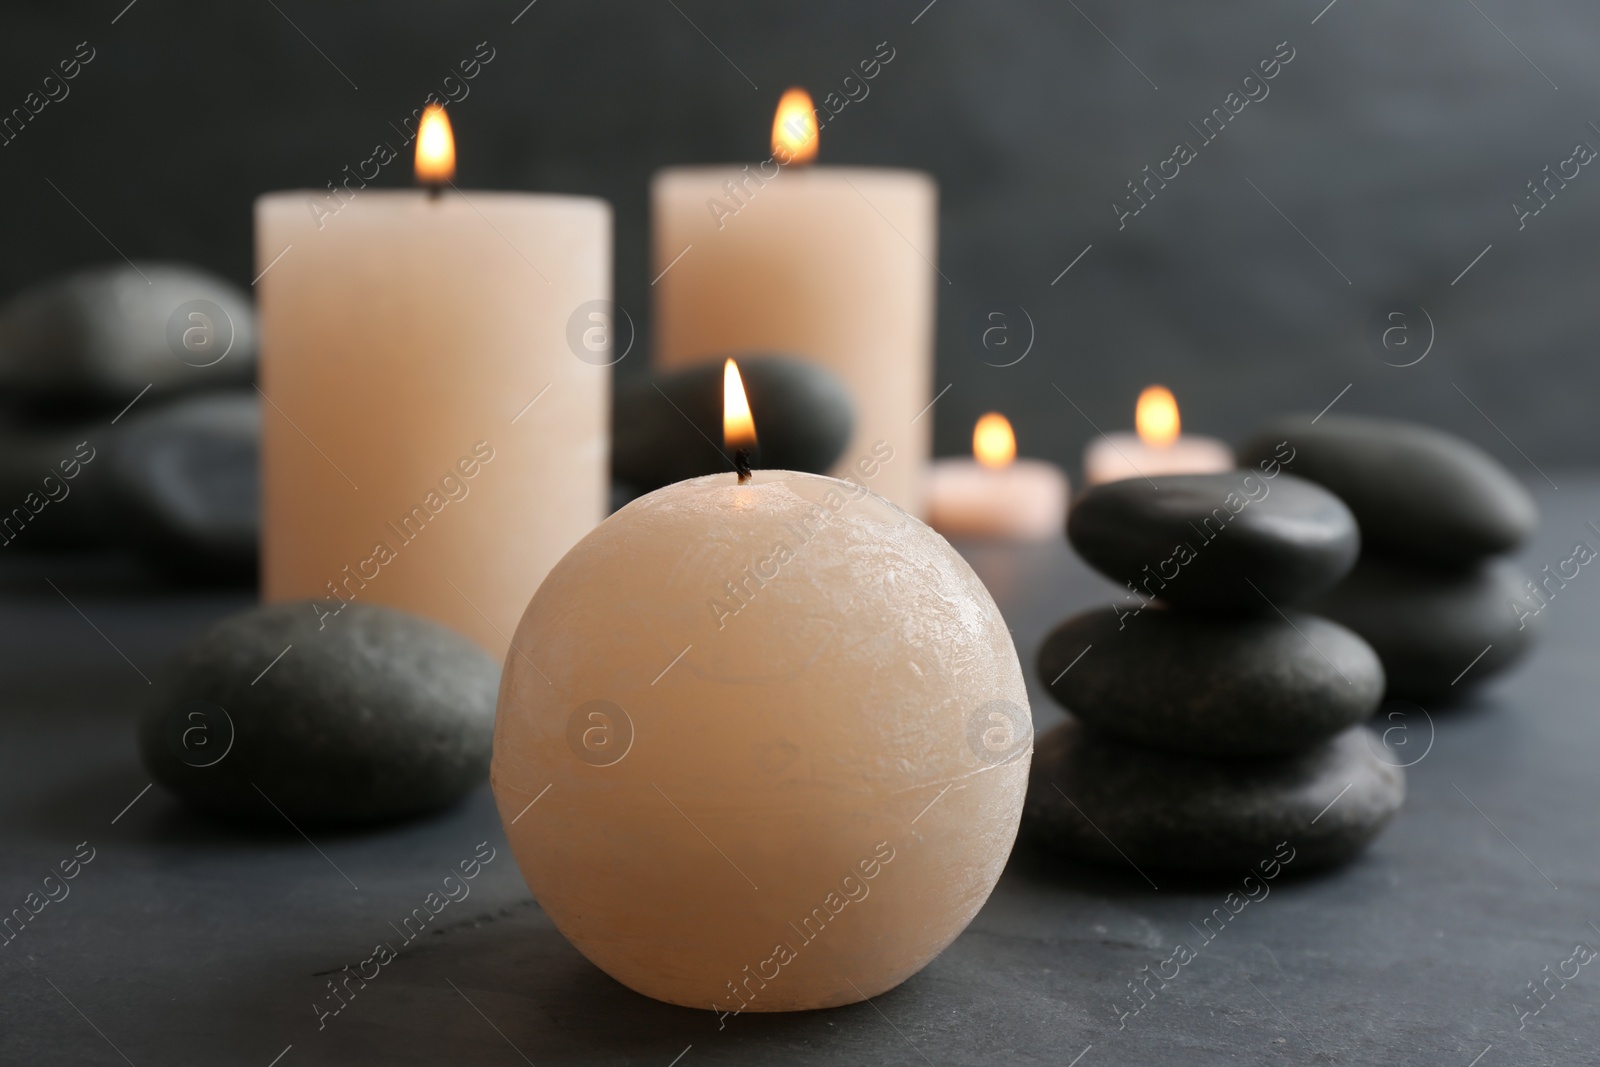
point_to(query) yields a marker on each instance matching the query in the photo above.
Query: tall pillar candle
(829, 264)
(430, 441)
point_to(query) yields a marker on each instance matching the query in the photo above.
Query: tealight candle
(1157, 448)
(996, 495)
(762, 742)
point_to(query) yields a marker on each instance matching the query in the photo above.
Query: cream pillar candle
(995, 494)
(405, 340)
(829, 264)
(778, 738)
(1157, 448)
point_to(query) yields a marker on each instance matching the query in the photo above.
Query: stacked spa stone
(1212, 719)
(1432, 591)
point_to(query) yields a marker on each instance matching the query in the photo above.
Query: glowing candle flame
(1156, 418)
(993, 443)
(738, 428)
(436, 147)
(794, 129)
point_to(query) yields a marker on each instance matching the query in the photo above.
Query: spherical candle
(763, 746)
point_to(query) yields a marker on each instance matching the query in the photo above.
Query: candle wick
(741, 463)
(435, 190)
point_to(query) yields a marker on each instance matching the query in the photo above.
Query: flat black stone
(378, 715)
(1190, 682)
(98, 337)
(186, 485)
(1430, 626)
(1414, 490)
(1240, 540)
(670, 428)
(1107, 802)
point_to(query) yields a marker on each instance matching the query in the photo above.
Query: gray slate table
(184, 943)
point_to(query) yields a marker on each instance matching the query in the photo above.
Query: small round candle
(995, 494)
(1157, 448)
(762, 745)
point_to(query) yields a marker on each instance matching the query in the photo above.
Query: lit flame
(1156, 418)
(993, 442)
(436, 147)
(738, 428)
(794, 129)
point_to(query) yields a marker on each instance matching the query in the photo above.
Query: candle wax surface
(1116, 456)
(403, 342)
(779, 739)
(1026, 500)
(833, 265)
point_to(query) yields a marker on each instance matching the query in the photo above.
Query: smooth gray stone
(1428, 625)
(186, 484)
(1415, 491)
(1225, 686)
(1107, 802)
(379, 715)
(99, 336)
(1201, 540)
(55, 485)
(670, 429)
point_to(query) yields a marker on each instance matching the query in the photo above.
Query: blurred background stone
(670, 428)
(176, 482)
(186, 485)
(54, 484)
(1432, 591)
(1416, 492)
(100, 336)
(1439, 632)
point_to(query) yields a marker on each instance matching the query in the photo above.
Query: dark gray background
(1396, 141)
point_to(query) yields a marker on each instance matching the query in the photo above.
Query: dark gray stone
(380, 715)
(1428, 625)
(186, 484)
(55, 485)
(1201, 540)
(98, 337)
(1107, 802)
(1193, 683)
(671, 429)
(1415, 491)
